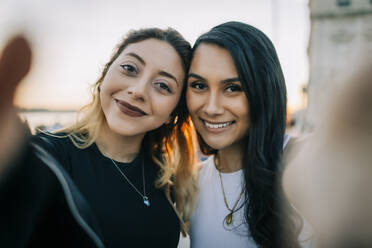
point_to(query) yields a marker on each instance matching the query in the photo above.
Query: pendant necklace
(146, 200)
(230, 217)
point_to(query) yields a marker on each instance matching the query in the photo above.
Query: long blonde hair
(171, 146)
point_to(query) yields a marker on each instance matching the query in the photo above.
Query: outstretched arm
(328, 177)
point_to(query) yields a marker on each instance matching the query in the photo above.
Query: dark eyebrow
(196, 76)
(162, 73)
(167, 74)
(225, 81)
(137, 57)
(230, 80)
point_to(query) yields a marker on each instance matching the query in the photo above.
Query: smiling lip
(216, 127)
(129, 109)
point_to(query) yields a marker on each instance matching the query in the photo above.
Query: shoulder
(293, 146)
(52, 142)
(58, 145)
(203, 166)
(205, 162)
(286, 139)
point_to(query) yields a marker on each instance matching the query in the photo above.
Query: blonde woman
(111, 179)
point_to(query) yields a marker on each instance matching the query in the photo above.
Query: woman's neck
(118, 147)
(230, 158)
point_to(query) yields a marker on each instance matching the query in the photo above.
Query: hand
(15, 63)
(329, 176)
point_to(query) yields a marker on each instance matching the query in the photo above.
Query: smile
(217, 125)
(129, 109)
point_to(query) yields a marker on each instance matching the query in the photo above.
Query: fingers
(15, 63)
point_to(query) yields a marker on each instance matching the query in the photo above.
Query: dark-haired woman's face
(142, 87)
(216, 101)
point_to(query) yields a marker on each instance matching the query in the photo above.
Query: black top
(123, 218)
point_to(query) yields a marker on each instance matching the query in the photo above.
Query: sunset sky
(72, 40)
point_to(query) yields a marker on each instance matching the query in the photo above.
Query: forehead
(210, 60)
(156, 54)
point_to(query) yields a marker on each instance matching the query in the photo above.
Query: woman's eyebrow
(196, 76)
(230, 80)
(224, 81)
(162, 73)
(167, 74)
(137, 57)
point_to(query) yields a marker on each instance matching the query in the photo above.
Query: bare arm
(328, 176)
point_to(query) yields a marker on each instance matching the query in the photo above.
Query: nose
(138, 90)
(213, 105)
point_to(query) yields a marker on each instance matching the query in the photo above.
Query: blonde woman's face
(142, 87)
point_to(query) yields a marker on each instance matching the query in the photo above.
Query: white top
(208, 227)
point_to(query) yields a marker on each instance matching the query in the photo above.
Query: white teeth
(221, 125)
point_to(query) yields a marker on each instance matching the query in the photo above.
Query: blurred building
(341, 33)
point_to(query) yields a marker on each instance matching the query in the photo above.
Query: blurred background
(319, 43)
(72, 40)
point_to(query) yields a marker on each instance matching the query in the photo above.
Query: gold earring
(168, 121)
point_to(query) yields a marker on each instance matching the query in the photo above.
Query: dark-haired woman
(105, 181)
(236, 96)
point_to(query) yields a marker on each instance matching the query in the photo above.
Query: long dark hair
(272, 221)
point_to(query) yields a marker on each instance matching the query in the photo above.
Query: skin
(328, 173)
(338, 155)
(215, 97)
(148, 75)
(15, 63)
(145, 89)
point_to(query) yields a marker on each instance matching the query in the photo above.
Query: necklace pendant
(146, 201)
(229, 218)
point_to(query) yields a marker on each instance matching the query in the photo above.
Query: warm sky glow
(72, 40)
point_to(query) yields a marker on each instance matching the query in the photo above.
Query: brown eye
(198, 85)
(233, 88)
(163, 87)
(130, 69)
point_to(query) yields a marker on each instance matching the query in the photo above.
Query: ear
(169, 120)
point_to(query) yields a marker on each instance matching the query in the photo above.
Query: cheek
(103, 96)
(106, 91)
(164, 105)
(192, 101)
(245, 115)
(242, 108)
(105, 102)
(112, 82)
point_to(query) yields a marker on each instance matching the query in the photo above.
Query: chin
(216, 144)
(124, 129)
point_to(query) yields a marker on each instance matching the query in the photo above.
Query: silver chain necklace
(146, 200)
